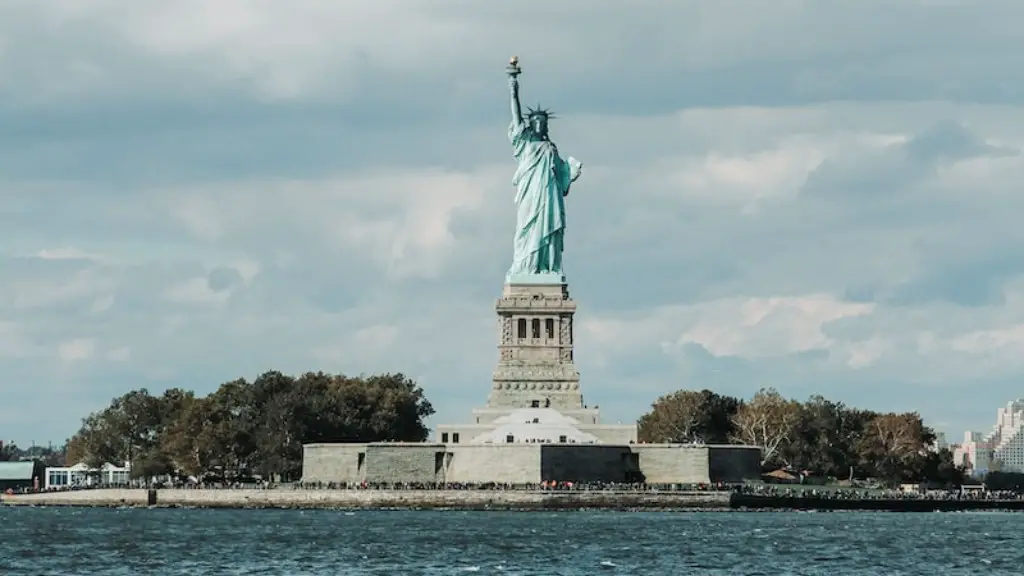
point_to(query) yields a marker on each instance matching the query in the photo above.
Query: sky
(820, 197)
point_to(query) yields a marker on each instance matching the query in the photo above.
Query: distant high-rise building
(1000, 449)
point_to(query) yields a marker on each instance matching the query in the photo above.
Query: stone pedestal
(535, 359)
(536, 373)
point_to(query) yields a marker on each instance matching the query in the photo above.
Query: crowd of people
(809, 493)
(541, 486)
(756, 489)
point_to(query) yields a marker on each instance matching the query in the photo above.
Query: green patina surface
(542, 180)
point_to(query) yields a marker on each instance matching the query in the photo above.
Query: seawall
(486, 500)
(379, 499)
(758, 502)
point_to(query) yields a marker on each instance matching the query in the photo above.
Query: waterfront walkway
(622, 497)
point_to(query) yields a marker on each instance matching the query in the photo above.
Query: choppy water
(198, 542)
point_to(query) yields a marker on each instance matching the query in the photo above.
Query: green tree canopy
(689, 416)
(246, 428)
(8, 452)
(769, 421)
(895, 447)
(818, 436)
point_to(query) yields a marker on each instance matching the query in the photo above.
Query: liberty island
(535, 426)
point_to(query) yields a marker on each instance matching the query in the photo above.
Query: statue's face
(539, 124)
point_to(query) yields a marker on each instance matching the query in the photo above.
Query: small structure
(81, 475)
(22, 475)
(913, 488)
(780, 476)
(972, 489)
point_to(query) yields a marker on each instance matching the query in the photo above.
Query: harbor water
(296, 542)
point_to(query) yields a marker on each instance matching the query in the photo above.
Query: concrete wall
(528, 463)
(734, 463)
(404, 462)
(689, 464)
(504, 463)
(99, 497)
(673, 463)
(585, 463)
(333, 463)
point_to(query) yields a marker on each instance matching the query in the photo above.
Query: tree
(192, 441)
(767, 421)
(259, 428)
(49, 456)
(939, 468)
(99, 441)
(674, 418)
(8, 452)
(824, 437)
(281, 405)
(230, 429)
(130, 430)
(894, 446)
(820, 435)
(720, 411)
(248, 428)
(126, 431)
(853, 427)
(688, 416)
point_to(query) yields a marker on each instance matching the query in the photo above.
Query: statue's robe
(542, 181)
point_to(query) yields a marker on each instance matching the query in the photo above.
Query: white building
(1002, 448)
(80, 475)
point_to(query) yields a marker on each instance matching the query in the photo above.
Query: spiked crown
(540, 112)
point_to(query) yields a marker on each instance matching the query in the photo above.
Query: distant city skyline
(999, 446)
(818, 197)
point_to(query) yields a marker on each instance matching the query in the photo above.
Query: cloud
(191, 192)
(318, 51)
(75, 350)
(749, 328)
(934, 342)
(67, 254)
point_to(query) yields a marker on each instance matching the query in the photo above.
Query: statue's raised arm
(513, 72)
(542, 180)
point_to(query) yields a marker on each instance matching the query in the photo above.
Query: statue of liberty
(542, 181)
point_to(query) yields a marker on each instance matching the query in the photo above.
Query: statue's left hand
(575, 168)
